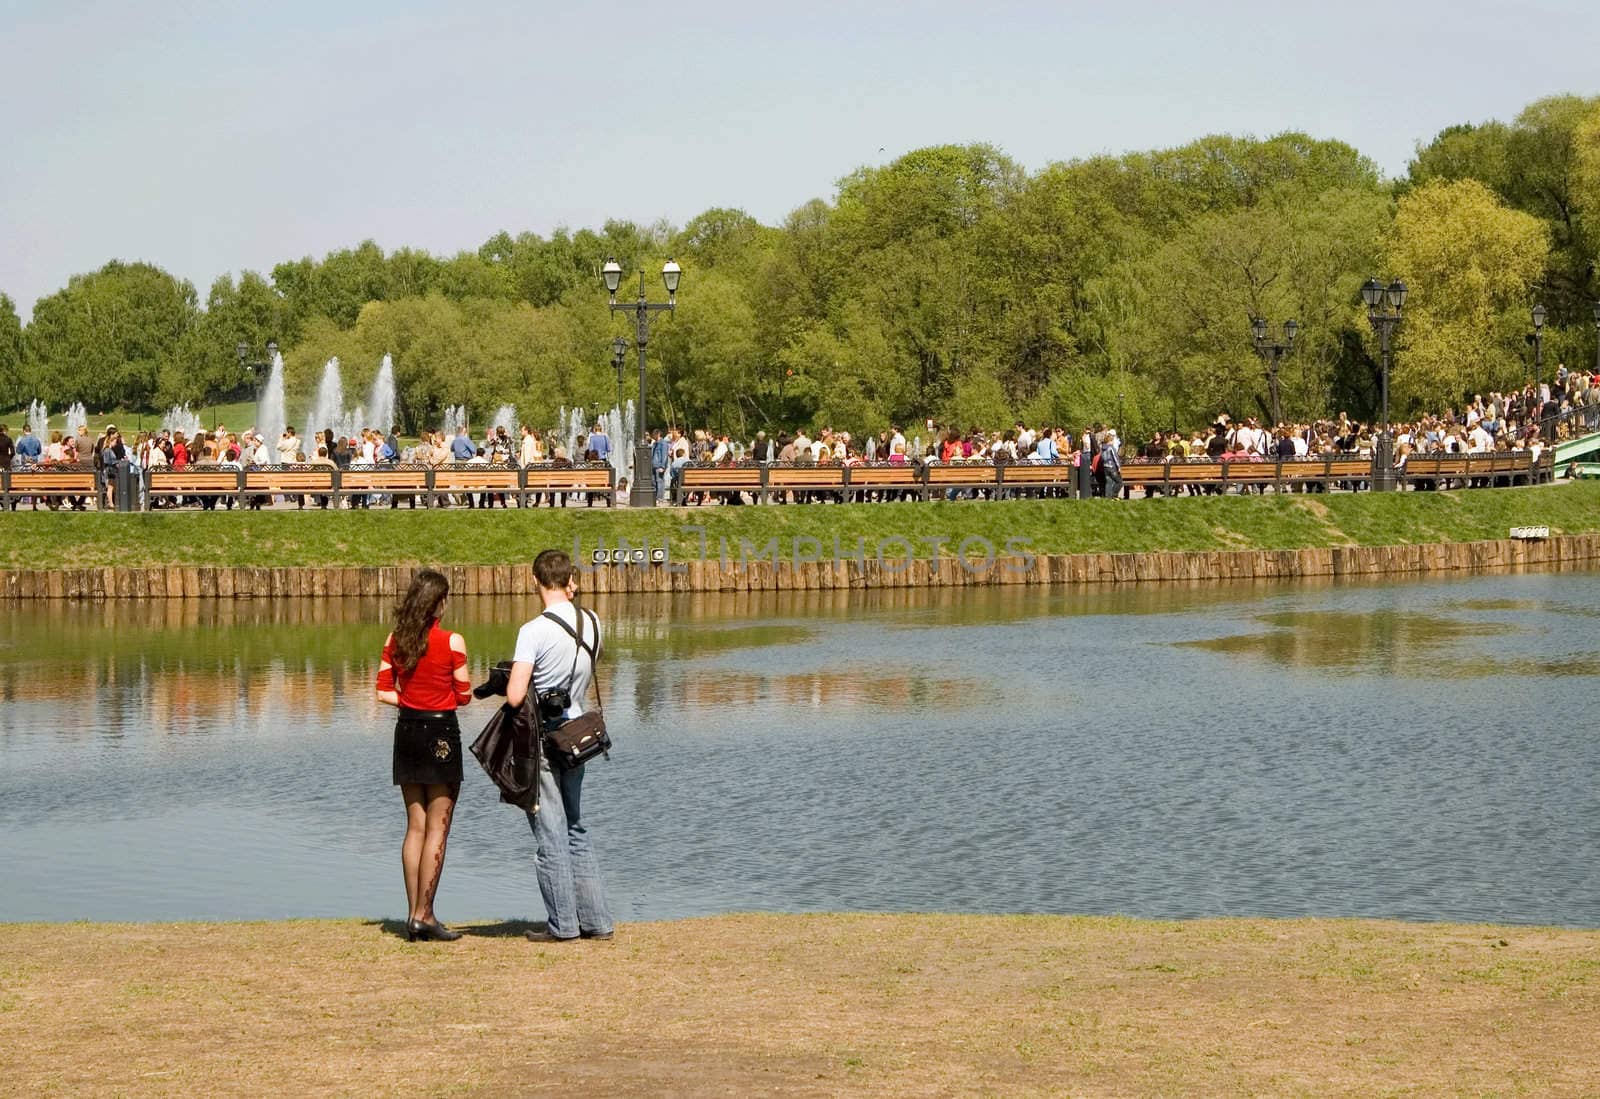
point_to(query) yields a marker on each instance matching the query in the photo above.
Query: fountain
(271, 412)
(327, 411)
(181, 418)
(77, 417)
(570, 423)
(39, 419)
(380, 402)
(455, 418)
(618, 424)
(505, 416)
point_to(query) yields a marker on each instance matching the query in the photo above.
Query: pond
(1419, 750)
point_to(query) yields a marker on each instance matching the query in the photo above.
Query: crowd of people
(226, 450)
(1527, 419)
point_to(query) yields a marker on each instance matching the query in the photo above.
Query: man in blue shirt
(28, 447)
(461, 447)
(660, 459)
(599, 442)
(1044, 450)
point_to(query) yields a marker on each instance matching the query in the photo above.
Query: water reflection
(828, 692)
(1418, 749)
(1404, 643)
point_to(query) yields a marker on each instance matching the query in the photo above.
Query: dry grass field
(803, 1005)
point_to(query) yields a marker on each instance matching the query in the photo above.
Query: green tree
(707, 355)
(12, 386)
(1470, 263)
(108, 336)
(206, 366)
(1536, 165)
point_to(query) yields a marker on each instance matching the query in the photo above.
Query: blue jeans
(569, 876)
(661, 483)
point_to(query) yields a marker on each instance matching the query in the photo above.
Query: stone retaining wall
(219, 582)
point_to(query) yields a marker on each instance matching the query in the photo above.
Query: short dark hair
(553, 569)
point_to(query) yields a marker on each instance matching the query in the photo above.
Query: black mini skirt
(427, 748)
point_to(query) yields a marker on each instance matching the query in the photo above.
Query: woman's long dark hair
(415, 615)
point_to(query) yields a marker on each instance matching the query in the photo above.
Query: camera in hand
(553, 705)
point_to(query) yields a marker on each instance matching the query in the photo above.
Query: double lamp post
(642, 493)
(1385, 305)
(1272, 349)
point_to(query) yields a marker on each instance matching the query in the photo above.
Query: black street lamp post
(642, 494)
(1539, 315)
(619, 360)
(243, 350)
(1272, 350)
(1384, 321)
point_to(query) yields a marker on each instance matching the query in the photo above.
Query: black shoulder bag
(573, 743)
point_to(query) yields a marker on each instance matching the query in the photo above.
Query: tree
(206, 366)
(1181, 316)
(707, 356)
(108, 336)
(1586, 183)
(13, 390)
(1466, 151)
(1470, 263)
(1536, 165)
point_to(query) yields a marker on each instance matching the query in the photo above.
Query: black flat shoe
(546, 937)
(433, 930)
(412, 930)
(597, 936)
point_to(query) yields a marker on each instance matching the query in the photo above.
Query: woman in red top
(424, 673)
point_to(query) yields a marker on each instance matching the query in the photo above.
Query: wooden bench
(466, 478)
(976, 475)
(1039, 477)
(827, 478)
(1302, 472)
(594, 478)
(1434, 470)
(289, 481)
(897, 478)
(391, 480)
(1146, 475)
(196, 480)
(703, 477)
(1184, 473)
(49, 483)
(1348, 471)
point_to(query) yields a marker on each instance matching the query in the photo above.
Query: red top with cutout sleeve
(432, 685)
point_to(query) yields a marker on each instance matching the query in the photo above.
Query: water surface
(1422, 750)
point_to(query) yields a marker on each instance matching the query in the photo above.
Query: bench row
(1022, 478)
(422, 482)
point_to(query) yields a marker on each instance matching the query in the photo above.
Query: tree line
(949, 283)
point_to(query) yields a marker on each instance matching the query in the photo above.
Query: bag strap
(594, 653)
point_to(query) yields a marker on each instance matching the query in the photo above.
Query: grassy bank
(231, 417)
(383, 537)
(804, 1005)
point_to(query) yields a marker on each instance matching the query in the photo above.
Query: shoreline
(768, 572)
(809, 1005)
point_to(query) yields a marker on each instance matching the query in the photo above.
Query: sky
(221, 136)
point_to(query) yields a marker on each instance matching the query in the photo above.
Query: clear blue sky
(217, 136)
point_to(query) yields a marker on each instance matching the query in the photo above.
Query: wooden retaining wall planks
(717, 575)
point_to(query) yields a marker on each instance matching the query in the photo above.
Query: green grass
(234, 417)
(384, 537)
